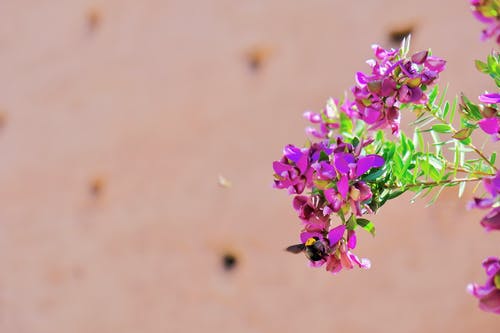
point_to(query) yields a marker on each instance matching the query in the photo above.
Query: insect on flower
(314, 249)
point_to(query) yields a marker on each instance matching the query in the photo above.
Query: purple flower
(490, 98)
(392, 81)
(334, 250)
(343, 258)
(491, 126)
(489, 293)
(310, 211)
(486, 11)
(407, 94)
(327, 120)
(349, 189)
(292, 171)
(490, 221)
(333, 170)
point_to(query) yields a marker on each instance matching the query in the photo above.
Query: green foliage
(346, 126)
(470, 111)
(367, 225)
(490, 67)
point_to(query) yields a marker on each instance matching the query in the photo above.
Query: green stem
(435, 183)
(450, 166)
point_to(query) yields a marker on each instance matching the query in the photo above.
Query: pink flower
(490, 221)
(393, 81)
(486, 11)
(343, 258)
(326, 120)
(489, 293)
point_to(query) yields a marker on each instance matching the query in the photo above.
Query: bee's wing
(297, 248)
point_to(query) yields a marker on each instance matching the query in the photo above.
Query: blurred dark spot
(94, 19)
(257, 56)
(96, 186)
(396, 35)
(229, 261)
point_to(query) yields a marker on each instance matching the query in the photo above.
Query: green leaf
(367, 225)
(430, 165)
(456, 159)
(423, 121)
(433, 95)
(418, 192)
(453, 109)
(421, 143)
(481, 66)
(345, 124)
(395, 194)
(373, 175)
(441, 100)
(491, 61)
(388, 152)
(442, 128)
(471, 110)
(351, 223)
(493, 158)
(380, 136)
(461, 189)
(446, 109)
(323, 156)
(437, 143)
(398, 164)
(466, 141)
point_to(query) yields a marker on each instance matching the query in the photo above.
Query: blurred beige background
(117, 118)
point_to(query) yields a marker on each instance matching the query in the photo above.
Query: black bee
(314, 249)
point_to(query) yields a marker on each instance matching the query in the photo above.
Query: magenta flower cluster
(489, 293)
(394, 80)
(325, 180)
(488, 12)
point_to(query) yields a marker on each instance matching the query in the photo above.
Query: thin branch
(450, 166)
(455, 181)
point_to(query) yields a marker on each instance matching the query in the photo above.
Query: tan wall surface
(120, 115)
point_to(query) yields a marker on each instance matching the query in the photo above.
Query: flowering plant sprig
(357, 158)
(488, 12)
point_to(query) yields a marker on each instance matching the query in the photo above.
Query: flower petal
(490, 125)
(367, 162)
(492, 220)
(490, 98)
(336, 234)
(342, 162)
(351, 239)
(333, 264)
(304, 236)
(491, 302)
(343, 186)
